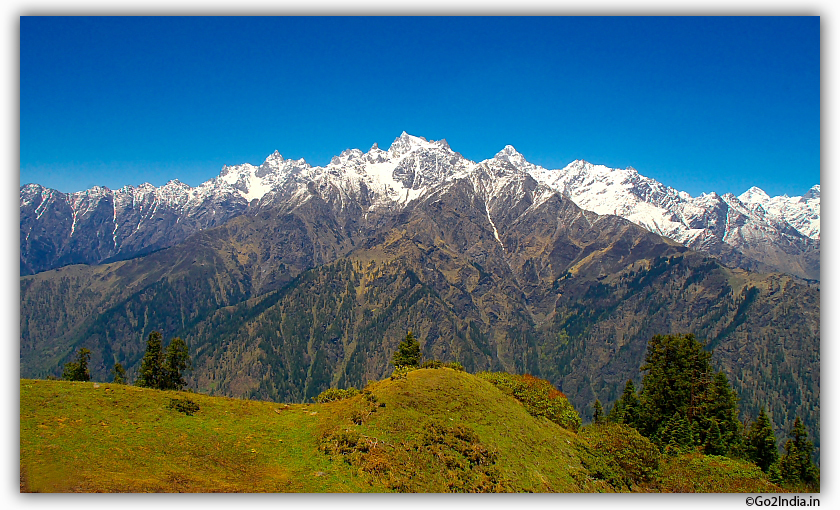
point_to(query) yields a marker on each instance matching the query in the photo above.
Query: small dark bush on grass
(184, 405)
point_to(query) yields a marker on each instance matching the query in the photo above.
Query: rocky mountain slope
(316, 285)
(752, 231)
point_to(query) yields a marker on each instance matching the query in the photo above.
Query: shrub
(400, 371)
(621, 453)
(454, 366)
(695, 472)
(334, 394)
(433, 363)
(184, 405)
(538, 396)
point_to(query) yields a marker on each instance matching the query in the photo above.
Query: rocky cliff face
(752, 231)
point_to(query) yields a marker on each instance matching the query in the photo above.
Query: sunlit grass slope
(79, 437)
(433, 430)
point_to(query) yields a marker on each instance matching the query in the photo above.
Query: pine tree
(163, 370)
(679, 380)
(760, 442)
(677, 376)
(78, 370)
(177, 360)
(151, 368)
(626, 409)
(796, 464)
(714, 444)
(119, 373)
(677, 436)
(597, 412)
(719, 415)
(408, 353)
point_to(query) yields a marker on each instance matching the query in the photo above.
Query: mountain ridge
(753, 231)
(492, 269)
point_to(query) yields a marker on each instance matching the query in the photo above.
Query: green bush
(695, 472)
(538, 396)
(619, 454)
(434, 363)
(400, 371)
(454, 366)
(185, 406)
(334, 394)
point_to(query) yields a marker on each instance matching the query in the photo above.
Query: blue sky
(701, 104)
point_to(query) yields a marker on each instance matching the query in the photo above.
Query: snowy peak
(754, 195)
(812, 193)
(414, 166)
(802, 213)
(406, 143)
(510, 155)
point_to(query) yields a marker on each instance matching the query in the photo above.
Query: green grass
(115, 438)
(435, 430)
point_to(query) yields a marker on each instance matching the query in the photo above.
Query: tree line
(160, 369)
(685, 406)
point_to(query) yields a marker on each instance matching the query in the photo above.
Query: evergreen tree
(677, 374)
(626, 409)
(177, 360)
(760, 442)
(719, 416)
(597, 412)
(119, 373)
(796, 464)
(163, 370)
(714, 444)
(677, 436)
(78, 370)
(408, 353)
(151, 373)
(679, 380)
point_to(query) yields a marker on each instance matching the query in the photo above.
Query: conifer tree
(714, 444)
(597, 412)
(163, 370)
(679, 380)
(78, 370)
(408, 353)
(626, 409)
(719, 415)
(677, 372)
(177, 360)
(677, 436)
(796, 464)
(119, 373)
(760, 442)
(151, 368)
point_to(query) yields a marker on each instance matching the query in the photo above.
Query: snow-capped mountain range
(752, 230)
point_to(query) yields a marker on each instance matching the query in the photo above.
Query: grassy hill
(435, 430)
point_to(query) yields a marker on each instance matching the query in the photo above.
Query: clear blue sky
(701, 104)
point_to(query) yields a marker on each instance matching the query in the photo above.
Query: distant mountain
(752, 231)
(315, 285)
